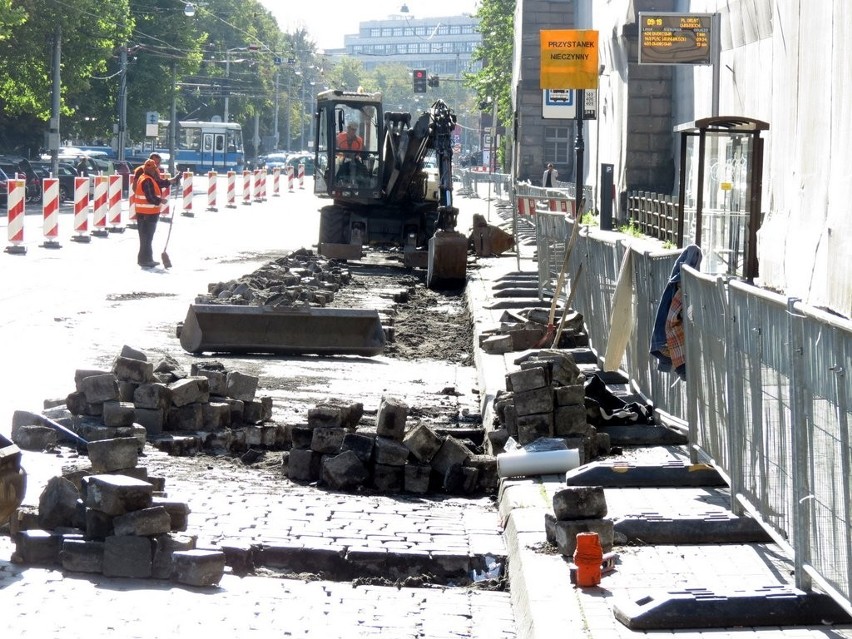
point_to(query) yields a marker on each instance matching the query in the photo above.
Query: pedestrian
(550, 174)
(148, 198)
(82, 167)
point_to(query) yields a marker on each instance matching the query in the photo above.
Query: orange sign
(569, 59)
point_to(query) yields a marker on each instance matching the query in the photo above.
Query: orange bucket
(588, 557)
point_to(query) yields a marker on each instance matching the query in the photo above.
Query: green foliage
(589, 219)
(631, 229)
(494, 80)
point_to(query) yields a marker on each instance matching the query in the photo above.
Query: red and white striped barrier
(50, 210)
(81, 210)
(526, 206)
(290, 178)
(232, 190)
(114, 198)
(100, 205)
(276, 181)
(15, 209)
(301, 175)
(212, 178)
(247, 187)
(255, 187)
(263, 176)
(166, 193)
(562, 205)
(187, 195)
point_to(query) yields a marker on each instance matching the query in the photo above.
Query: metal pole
(579, 147)
(55, 107)
(174, 125)
(302, 114)
(227, 82)
(122, 106)
(289, 88)
(275, 115)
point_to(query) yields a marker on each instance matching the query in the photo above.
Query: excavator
(371, 164)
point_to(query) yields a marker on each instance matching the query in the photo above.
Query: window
(409, 31)
(455, 29)
(397, 32)
(557, 144)
(375, 33)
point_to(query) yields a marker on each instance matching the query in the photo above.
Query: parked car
(296, 159)
(66, 174)
(4, 188)
(15, 165)
(276, 160)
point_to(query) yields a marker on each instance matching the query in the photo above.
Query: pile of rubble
(299, 278)
(210, 408)
(528, 328)
(547, 398)
(113, 519)
(216, 410)
(394, 458)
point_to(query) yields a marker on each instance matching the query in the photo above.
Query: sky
(329, 21)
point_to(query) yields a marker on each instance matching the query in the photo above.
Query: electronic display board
(675, 38)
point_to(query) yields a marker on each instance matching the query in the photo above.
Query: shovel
(550, 332)
(164, 257)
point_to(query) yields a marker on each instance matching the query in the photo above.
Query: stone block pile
(113, 519)
(301, 277)
(394, 457)
(578, 509)
(546, 398)
(526, 328)
(210, 408)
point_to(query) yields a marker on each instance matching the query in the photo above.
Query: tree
(494, 80)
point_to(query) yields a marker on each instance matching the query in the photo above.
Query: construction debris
(392, 458)
(546, 399)
(297, 279)
(487, 239)
(523, 329)
(113, 519)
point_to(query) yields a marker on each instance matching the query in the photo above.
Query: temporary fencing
(766, 396)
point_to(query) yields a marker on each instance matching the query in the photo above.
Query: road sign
(561, 104)
(152, 124)
(569, 59)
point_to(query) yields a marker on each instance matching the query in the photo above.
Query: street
(76, 306)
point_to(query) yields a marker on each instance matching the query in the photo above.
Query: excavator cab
(347, 159)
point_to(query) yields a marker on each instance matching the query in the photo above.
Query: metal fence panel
(766, 397)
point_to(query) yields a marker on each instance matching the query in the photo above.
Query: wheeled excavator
(370, 162)
(371, 165)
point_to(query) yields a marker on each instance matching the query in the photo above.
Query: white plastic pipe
(522, 463)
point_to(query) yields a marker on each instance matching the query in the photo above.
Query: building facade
(443, 46)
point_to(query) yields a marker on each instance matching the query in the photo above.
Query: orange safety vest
(143, 206)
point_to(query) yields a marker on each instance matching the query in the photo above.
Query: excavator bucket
(447, 266)
(218, 328)
(13, 479)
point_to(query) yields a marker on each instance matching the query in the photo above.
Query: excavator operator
(349, 164)
(349, 140)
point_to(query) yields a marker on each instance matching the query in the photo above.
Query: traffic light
(433, 81)
(418, 80)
